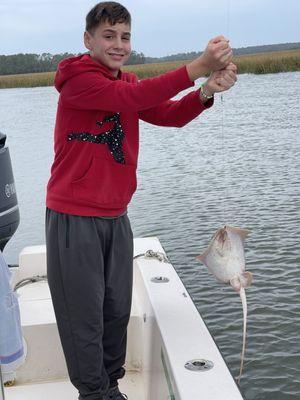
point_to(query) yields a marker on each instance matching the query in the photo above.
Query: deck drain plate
(199, 365)
(160, 279)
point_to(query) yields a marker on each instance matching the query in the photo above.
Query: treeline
(46, 62)
(174, 57)
(237, 52)
(267, 48)
(263, 63)
(30, 63)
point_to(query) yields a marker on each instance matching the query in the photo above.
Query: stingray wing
(202, 257)
(239, 231)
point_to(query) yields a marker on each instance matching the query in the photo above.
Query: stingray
(225, 258)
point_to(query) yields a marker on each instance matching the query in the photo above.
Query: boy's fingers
(218, 39)
(226, 52)
(231, 67)
(229, 77)
(218, 53)
(222, 45)
(225, 59)
(225, 82)
(227, 72)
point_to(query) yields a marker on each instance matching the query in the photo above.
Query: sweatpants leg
(89, 268)
(118, 297)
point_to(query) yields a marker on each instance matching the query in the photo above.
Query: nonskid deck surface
(131, 385)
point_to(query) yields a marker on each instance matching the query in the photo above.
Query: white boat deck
(131, 384)
(165, 331)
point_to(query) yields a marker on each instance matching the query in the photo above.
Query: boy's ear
(87, 40)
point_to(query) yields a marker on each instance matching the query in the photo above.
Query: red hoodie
(96, 135)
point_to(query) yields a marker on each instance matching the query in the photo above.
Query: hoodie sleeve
(93, 91)
(176, 113)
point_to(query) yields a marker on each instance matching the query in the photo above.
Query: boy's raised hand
(216, 56)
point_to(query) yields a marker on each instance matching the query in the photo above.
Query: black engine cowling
(9, 209)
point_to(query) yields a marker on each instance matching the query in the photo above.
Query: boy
(93, 177)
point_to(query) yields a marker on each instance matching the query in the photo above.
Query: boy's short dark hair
(106, 11)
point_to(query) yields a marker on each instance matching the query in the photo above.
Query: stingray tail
(244, 303)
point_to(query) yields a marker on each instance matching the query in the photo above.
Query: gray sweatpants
(89, 269)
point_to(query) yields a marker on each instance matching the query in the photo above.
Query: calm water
(192, 181)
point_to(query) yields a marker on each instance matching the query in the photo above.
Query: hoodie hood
(74, 66)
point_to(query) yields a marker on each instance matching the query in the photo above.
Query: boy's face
(110, 45)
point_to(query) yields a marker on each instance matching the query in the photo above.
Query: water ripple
(191, 182)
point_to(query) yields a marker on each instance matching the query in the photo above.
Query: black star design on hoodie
(113, 137)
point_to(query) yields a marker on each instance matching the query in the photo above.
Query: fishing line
(224, 150)
(225, 189)
(225, 213)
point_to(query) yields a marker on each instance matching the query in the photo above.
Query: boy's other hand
(220, 81)
(216, 56)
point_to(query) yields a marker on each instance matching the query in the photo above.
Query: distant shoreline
(261, 63)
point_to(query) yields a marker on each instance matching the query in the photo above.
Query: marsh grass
(27, 80)
(263, 63)
(268, 63)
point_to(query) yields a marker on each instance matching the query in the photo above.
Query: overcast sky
(159, 27)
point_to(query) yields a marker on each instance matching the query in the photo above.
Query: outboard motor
(9, 209)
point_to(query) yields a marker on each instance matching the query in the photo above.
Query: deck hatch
(199, 365)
